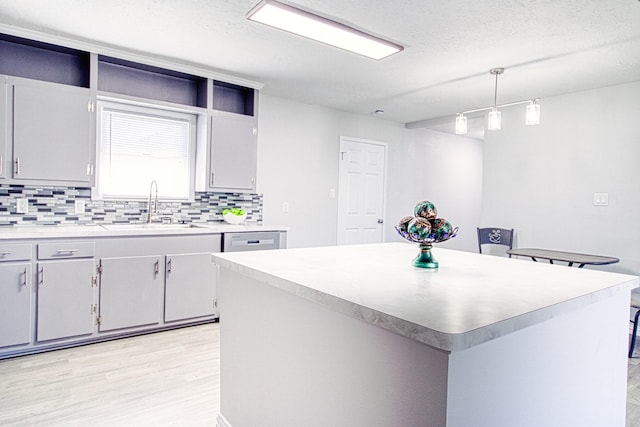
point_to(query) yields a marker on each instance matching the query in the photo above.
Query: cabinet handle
(24, 277)
(3, 254)
(17, 171)
(41, 276)
(156, 269)
(66, 251)
(213, 178)
(1, 164)
(169, 267)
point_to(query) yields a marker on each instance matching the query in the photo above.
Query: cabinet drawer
(61, 250)
(15, 252)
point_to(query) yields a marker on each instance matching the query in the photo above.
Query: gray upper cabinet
(52, 138)
(233, 153)
(3, 128)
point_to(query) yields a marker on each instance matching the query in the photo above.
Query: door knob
(380, 221)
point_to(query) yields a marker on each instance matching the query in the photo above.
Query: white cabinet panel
(131, 291)
(15, 303)
(65, 299)
(51, 133)
(191, 282)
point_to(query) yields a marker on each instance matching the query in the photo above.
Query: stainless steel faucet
(155, 208)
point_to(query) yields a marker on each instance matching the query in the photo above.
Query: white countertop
(108, 230)
(469, 300)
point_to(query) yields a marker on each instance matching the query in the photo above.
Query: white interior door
(361, 191)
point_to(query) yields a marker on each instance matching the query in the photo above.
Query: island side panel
(285, 361)
(568, 371)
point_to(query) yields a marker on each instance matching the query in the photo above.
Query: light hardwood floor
(162, 379)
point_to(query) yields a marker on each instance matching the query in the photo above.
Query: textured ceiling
(547, 47)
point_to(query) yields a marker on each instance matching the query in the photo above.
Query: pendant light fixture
(494, 118)
(494, 121)
(461, 124)
(532, 113)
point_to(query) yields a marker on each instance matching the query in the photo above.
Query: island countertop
(469, 300)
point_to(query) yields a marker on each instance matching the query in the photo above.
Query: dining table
(570, 258)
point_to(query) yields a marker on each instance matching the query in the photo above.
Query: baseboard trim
(221, 421)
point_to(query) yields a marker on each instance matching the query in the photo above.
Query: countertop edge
(97, 231)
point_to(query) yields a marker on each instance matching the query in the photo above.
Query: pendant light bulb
(532, 113)
(494, 119)
(461, 124)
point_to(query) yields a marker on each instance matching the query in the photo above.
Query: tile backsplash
(56, 206)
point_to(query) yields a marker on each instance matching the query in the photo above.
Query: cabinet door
(131, 291)
(51, 133)
(191, 283)
(15, 303)
(3, 129)
(65, 299)
(234, 145)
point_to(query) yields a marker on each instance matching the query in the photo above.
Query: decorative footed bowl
(425, 228)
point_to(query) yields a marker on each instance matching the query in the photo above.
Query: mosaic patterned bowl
(425, 229)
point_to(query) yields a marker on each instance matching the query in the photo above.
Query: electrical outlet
(285, 207)
(22, 206)
(332, 193)
(79, 206)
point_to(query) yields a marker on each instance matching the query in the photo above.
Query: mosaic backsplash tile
(56, 206)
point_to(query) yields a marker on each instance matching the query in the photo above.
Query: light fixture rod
(496, 72)
(508, 104)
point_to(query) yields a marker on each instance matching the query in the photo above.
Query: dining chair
(635, 304)
(495, 236)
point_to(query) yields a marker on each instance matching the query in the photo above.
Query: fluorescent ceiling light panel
(321, 29)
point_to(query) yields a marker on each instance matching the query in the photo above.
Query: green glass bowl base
(425, 259)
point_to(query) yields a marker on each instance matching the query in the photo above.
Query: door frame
(339, 208)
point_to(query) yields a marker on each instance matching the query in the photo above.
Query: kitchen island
(356, 336)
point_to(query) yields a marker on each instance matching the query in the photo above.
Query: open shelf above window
(233, 98)
(42, 61)
(145, 81)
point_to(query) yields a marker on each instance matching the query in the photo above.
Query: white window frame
(153, 110)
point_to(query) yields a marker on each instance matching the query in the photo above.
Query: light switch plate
(79, 206)
(22, 206)
(600, 199)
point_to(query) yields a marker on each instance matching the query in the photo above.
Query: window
(138, 144)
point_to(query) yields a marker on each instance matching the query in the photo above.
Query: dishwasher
(253, 241)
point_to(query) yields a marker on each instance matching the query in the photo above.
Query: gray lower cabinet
(15, 303)
(65, 299)
(190, 288)
(59, 293)
(131, 291)
(52, 138)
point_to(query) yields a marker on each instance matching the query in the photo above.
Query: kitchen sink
(146, 226)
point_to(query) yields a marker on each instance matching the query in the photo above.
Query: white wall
(445, 169)
(540, 180)
(298, 149)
